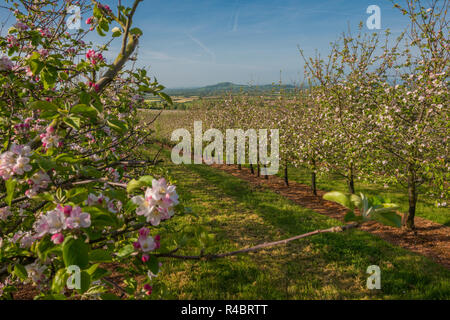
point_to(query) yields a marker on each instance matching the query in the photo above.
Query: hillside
(226, 87)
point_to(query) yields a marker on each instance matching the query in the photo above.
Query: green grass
(332, 182)
(327, 266)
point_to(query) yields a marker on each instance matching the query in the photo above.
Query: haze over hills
(227, 87)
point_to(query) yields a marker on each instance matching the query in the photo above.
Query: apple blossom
(145, 241)
(26, 239)
(21, 26)
(57, 238)
(4, 213)
(158, 202)
(50, 139)
(15, 161)
(36, 272)
(78, 219)
(6, 64)
(148, 289)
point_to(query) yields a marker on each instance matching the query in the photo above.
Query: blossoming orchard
(69, 137)
(78, 188)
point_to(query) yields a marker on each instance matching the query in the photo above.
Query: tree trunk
(351, 181)
(286, 178)
(258, 170)
(251, 169)
(313, 178)
(239, 167)
(412, 197)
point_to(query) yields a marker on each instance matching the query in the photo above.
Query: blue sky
(189, 43)
(193, 43)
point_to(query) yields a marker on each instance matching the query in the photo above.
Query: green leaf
(73, 122)
(340, 198)
(356, 200)
(68, 158)
(36, 66)
(85, 98)
(153, 265)
(350, 216)
(52, 297)
(43, 248)
(10, 189)
(147, 180)
(75, 253)
(20, 272)
(116, 32)
(104, 25)
(387, 218)
(130, 206)
(46, 164)
(134, 185)
(49, 115)
(117, 125)
(165, 97)
(109, 296)
(97, 12)
(84, 109)
(100, 217)
(77, 195)
(125, 251)
(387, 207)
(100, 255)
(100, 31)
(43, 106)
(98, 273)
(90, 171)
(85, 282)
(59, 281)
(136, 31)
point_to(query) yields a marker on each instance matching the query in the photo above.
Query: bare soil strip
(430, 239)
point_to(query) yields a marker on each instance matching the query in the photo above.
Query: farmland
(114, 187)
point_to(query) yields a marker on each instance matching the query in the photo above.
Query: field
(235, 214)
(239, 214)
(246, 174)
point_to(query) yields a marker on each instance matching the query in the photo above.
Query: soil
(429, 239)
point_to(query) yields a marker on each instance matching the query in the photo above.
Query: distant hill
(226, 87)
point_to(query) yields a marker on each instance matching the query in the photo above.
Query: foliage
(69, 138)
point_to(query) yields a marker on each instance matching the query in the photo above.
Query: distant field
(170, 119)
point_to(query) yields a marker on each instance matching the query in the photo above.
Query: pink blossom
(148, 289)
(94, 57)
(57, 238)
(21, 26)
(4, 213)
(158, 202)
(6, 64)
(15, 161)
(78, 219)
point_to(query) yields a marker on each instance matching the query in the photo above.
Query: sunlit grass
(425, 208)
(328, 266)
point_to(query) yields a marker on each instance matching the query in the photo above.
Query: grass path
(327, 266)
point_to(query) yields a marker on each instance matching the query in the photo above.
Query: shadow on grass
(327, 266)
